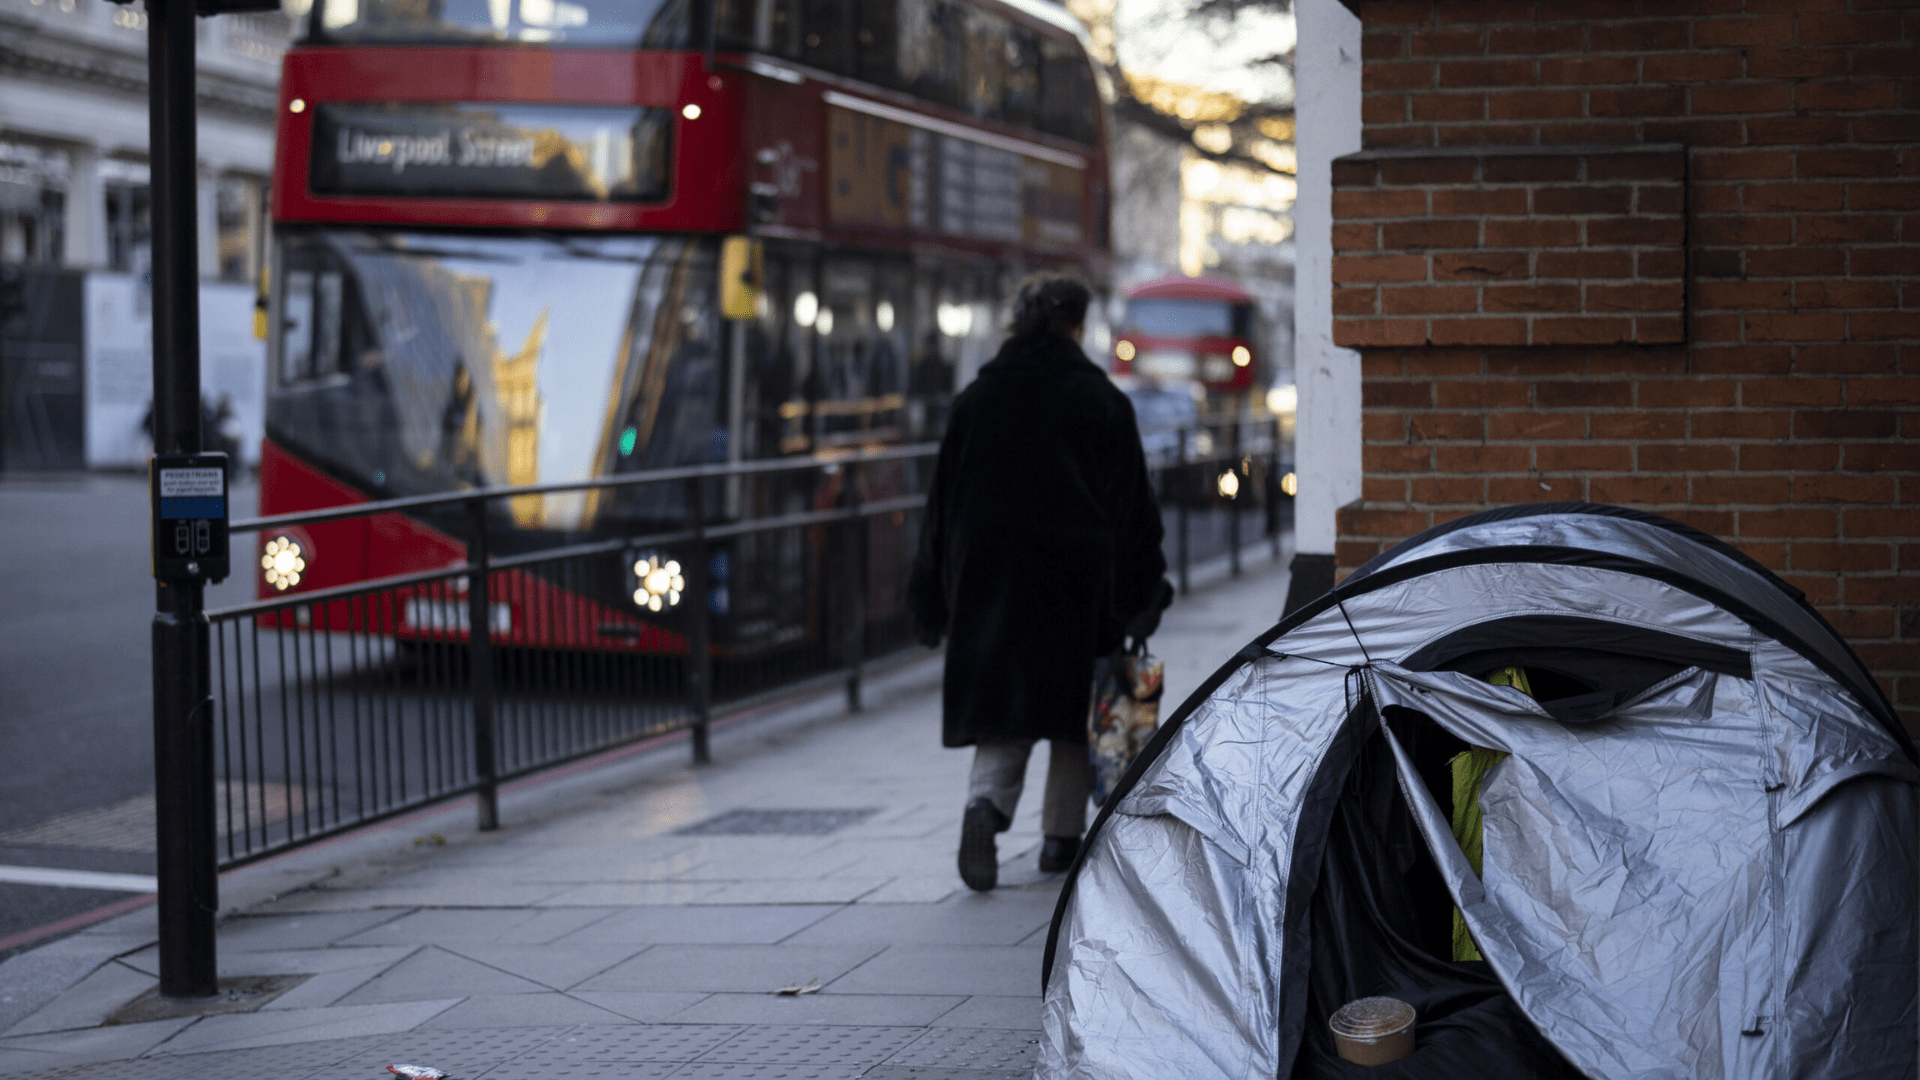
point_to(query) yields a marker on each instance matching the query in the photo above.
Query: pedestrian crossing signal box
(190, 517)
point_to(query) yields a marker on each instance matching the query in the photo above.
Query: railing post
(1233, 506)
(700, 630)
(856, 582)
(1181, 496)
(480, 669)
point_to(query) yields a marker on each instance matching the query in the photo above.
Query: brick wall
(1536, 323)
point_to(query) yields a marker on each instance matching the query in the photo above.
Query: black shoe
(1058, 853)
(979, 859)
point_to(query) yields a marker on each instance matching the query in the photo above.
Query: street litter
(1564, 791)
(417, 1072)
(811, 986)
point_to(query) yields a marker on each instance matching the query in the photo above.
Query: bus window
(932, 52)
(296, 326)
(826, 35)
(1068, 98)
(310, 325)
(649, 24)
(876, 44)
(1164, 317)
(1020, 94)
(986, 64)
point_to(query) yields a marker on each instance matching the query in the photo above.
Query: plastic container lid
(1372, 1018)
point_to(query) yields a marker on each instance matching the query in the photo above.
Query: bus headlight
(660, 584)
(281, 562)
(1228, 484)
(1241, 356)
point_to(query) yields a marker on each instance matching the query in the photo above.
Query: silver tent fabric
(1717, 880)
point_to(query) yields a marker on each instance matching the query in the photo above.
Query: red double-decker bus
(545, 241)
(1188, 330)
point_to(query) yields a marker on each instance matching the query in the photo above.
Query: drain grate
(776, 822)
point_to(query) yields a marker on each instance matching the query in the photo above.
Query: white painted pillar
(86, 214)
(209, 224)
(1327, 436)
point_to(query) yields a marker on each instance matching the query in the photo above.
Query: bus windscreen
(1164, 317)
(610, 24)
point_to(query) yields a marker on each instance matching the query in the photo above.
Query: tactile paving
(678, 1043)
(776, 822)
(528, 1069)
(725, 1070)
(812, 1044)
(986, 1049)
(467, 1054)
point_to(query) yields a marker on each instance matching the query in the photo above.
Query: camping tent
(1699, 860)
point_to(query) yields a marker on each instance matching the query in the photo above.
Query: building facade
(1664, 257)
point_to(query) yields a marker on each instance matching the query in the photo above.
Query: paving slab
(973, 919)
(495, 1011)
(274, 933)
(30, 1053)
(646, 1006)
(736, 968)
(275, 1028)
(716, 924)
(1000, 970)
(992, 1011)
(90, 1001)
(915, 1011)
(435, 973)
(559, 967)
(506, 926)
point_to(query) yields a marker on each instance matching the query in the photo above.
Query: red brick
(1743, 98)
(1817, 163)
(1883, 325)
(1587, 330)
(1383, 490)
(1375, 137)
(1535, 40)
(1874, 262)
(1902, 391)
(1562, 395)
(1696, 457)
(1375, 394)
(1377, 458)
(1639, 102)
(1786, 130)
(1480, 331)
(1479, 265)
(1526, 298)
(1797, 326)
(1637, 425)
(1742, 295)
(1899, 195)
(1711, 522)
(1382, 46)
(1368, 268)
(1428, 170)
(1585, 457)
(1789, 457)
(1846, 294)
(1636, 230)
(1635, 297)
(1795, 63)
(1449, 489)
(1828, 228)
(1829, 29)
(1764, 198)
(1535, 425)
(1429, 426)
(1903, 522)
(1740, 489)
(1484, 135)
(1743, 165)
(1367, 333)
(1446, 43)
(1446, 362)
(1764, 393)
(1659, 199)
(1648, 166)
(1375, 204)
(1489, 73)
(1394, 523)
(1584, 199)
(1847, 359)
(1482, 394)
(1429, 299)
(1743, 359)
(1903, 128)
(1802, 261)
(1612, 131)
(1531, 233)
(1660, 264)
(1640, 35)
(1521, 168)
(1383, 108)
(1508, 201)
(1450, 107)
(1695, 393)
(1653, 490)
(1881, 457)
(1352, 301)
(1842, 557)
(1798, 521)
(1414, 76)
(1713, 329)
(1482, 459)
(1845, 424)
(1383, 427)
(1354, 237)
(1430, 233)
(1745, 424)
(1769, 30)
(1583, 264)
(1692, 67)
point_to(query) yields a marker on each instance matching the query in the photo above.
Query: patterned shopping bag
(1126, 710)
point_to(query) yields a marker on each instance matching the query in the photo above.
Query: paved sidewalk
(632, 919)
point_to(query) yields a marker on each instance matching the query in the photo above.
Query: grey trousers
(1000, 771)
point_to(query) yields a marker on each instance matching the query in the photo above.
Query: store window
(33, 203)
(129, 216)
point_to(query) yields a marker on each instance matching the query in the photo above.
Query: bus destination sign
(577, 153)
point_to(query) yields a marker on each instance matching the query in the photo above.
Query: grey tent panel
(1715, 879)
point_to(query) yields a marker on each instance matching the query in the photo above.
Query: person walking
(1039, 553)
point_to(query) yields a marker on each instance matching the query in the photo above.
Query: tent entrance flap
(1381, 925)
(1581, 668)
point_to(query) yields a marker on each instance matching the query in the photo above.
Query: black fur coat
(1040, 542)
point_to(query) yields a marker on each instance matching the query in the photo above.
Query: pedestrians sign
(190, 517)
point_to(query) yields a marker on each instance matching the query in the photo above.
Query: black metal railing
(337, 707)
